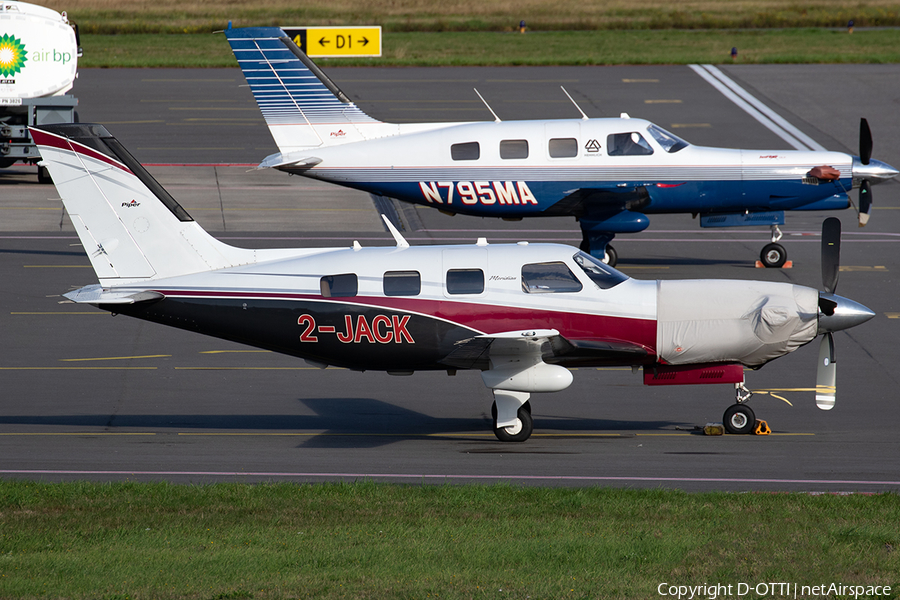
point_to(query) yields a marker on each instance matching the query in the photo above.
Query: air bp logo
(12, 55)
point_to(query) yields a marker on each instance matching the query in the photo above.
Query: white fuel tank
(38, 52)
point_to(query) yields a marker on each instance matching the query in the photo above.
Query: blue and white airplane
(607, 173)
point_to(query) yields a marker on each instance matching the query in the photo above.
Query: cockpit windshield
(602, 274)
(670, 142)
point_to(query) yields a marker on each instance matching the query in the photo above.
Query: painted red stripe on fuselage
(480, 317)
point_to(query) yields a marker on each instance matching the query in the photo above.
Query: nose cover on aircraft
(750, 322)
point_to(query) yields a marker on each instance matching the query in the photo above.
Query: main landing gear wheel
(612, 257)
(773, 256)
(739, 418)
(44, 175)
(519, 432)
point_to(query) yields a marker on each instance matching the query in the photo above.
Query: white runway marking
(756, 109)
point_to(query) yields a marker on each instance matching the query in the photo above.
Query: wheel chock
(761, 428)
(788, 264)
(714, 429)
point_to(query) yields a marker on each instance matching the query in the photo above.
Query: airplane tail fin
(129, 225)
(303, 108)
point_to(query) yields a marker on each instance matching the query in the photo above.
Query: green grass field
(365, 540)
(170, 33)
(543, 48)
(198, 16)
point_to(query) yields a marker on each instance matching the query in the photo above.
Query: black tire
(519, 432)
(612, 257)
(739, 419)
(773, 256)
(44, 175)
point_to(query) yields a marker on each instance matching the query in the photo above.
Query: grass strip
(636, 47)
(186, 16)
(367, 540)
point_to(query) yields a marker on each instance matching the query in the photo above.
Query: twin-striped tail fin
(303, 108)
(131, 228)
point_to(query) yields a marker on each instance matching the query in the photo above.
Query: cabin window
(514, 149)
(627, 144)
(563, 147)
(339, 286)
(670, 142)
(466, 151)
(402, 283)
(543, 278)
(465, 281)
(602, 274)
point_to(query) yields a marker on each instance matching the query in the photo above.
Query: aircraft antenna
(583, 116)
(496, 118)
(401, 241)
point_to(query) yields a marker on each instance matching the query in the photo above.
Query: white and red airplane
(607, 173)
(520, 313)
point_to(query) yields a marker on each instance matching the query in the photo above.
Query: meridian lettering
(478, 192)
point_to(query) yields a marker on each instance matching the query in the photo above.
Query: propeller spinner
(835, 313)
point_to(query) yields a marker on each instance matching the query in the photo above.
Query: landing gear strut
(599, 247)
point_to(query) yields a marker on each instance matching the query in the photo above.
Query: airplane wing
(593, 202)
(548, 345)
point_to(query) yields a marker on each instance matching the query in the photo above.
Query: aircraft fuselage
(580, 167)
(425, 308)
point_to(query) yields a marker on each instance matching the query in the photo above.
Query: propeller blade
(865, 142)
(826, 374)
(865, 202)
(831, 253)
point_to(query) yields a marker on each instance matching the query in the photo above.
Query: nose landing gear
(740, 418)
(773, 255)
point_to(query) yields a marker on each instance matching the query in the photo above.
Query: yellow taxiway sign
(337, 41)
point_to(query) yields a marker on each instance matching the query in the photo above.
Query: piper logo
(12, 55)
(132, 204)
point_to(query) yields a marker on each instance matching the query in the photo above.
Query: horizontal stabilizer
(289, 162)
(95, 294)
